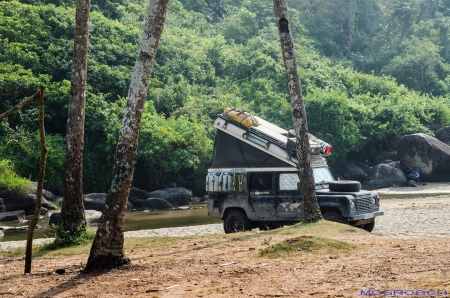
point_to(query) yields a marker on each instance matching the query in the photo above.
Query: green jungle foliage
(371, 72)
(10, 181)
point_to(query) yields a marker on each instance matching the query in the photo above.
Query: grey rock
(18, 215)
(157, 204)
(175, 196)
(94, 201)
(383, 175)
(49, 196)
(26, 202)
(363, 166)
(428, 155)
(412, 183)
(443, 135)
(138, 204)
(390, 155)
(54, 218)
(2, 206)
(92, 217)
(137, 194)
(350, 171)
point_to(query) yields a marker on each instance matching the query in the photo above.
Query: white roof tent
(263, 147)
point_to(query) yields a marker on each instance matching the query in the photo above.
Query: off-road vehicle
(254, 182)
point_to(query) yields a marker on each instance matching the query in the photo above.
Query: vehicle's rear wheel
(344, 185)
(335, 216)
(236, 221)
(369, 226)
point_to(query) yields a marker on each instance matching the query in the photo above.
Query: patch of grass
(65, 238)
(9, 180)
(319, 228)
(304, 243)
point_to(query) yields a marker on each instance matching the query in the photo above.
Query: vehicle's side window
(261, 182)
(288, 181)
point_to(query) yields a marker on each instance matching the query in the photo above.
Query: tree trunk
(107, 250)
(37, 212)
(311, 210)
(72, 212)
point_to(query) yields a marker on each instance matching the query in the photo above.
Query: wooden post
(40, 185)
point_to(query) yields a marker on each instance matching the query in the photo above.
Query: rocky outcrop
(156, 204)
(385, 155)
(18, 215)
(428, 155)
(49, 196)
(382, 176)
(94, 201)
(26, 202)
(443, 135)
(175, 196)
(350, 171)
(91, 216)
(2, 206)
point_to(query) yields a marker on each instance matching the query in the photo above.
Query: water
(134, 221)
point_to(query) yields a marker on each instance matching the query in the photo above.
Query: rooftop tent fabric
(230, 152)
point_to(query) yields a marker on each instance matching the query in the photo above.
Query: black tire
(369, 227)
(335, 216)
(236, 221)
(344, 185)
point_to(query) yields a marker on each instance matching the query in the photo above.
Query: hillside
(366, 80)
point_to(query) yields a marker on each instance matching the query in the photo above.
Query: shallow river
(134, 221)
(403, 218)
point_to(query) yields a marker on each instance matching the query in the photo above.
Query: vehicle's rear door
(288, 202)
(261, 195)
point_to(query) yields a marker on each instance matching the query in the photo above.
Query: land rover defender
(254, 182)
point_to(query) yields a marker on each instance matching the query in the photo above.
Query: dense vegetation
(371, 71)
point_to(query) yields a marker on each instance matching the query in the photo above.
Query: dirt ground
(348, 263)
(232, 266)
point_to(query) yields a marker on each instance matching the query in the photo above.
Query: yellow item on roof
(240, 116)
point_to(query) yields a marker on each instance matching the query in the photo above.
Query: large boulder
(363, 166)
(91, 216)
(385, 155)
(2, 206)
(18, 215)
(443, 135)
(4, 192)
(26, 202)
(350, 171)
(382, 176)
(94, 201)
(429, 156)
(157, 204)
(176, 196)
(137, 194)
(49, 196)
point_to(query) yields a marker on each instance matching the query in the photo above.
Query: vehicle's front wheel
(335, 216)
(369, 227)
(236, 221)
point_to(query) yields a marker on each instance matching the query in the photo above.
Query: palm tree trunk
(72, 211)
(107, 250)
(311, 210)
